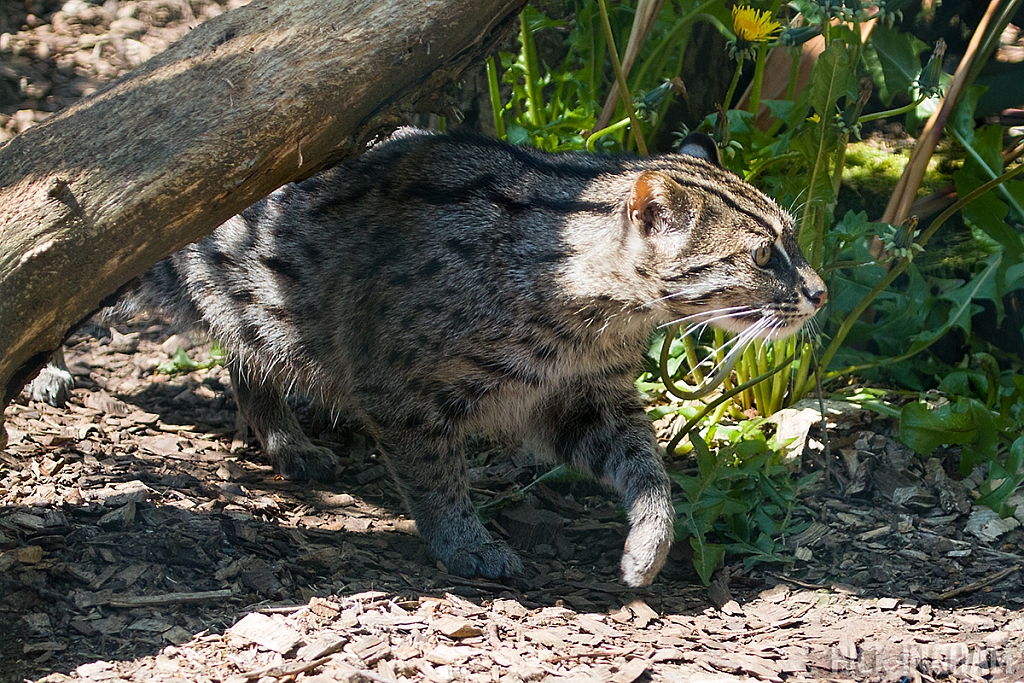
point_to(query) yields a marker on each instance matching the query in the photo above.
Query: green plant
(743, 496)
(181, 362)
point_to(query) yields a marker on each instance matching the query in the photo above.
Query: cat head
(718, 250)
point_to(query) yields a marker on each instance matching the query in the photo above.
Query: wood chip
(643, 613)
(32, 554)
(121, 518)
(132, 601)
(632, 671)
(545, 637)
(887, 603)
(27, 521)
(161, 445)
(450, 654)
(848, 646)
(370, 649)
(668, 654)
(456, 627)
(732, 608)
(592, 625)
(268, 632)
(510, 607)
(122, 494)
(324, 608)
(107, 404)
(328, 643)
(176, 635)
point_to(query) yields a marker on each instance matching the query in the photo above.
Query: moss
(872, 170)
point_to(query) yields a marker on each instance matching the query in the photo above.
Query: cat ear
(701, 146)
(650, 202)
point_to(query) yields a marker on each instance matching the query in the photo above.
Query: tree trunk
(248, 101)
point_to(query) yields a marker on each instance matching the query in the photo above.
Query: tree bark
(248, 101)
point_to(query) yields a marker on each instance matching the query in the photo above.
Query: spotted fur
(441, 286)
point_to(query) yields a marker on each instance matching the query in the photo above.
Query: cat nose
(817, 296)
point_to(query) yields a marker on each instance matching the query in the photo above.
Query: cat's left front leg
(607, 434)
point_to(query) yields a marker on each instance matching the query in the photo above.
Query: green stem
(596, 50)
(837, 173)
(817, 253)
(756, 368)
(618, 125)
(794, 73)
(532, 73)
(701, 391)
(862, 306)
(732, 86)
(779, 383)
(692, 422)
(891, 112)
(620, 79)
(492, 86)
(679, 34)
(802, 373)
(691, 359)
(757, 168)
(755, 88)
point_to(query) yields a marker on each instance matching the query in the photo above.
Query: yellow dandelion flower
(752, 25)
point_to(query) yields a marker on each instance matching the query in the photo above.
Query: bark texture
(255, 98)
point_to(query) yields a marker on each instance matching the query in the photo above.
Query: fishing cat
(438, 286)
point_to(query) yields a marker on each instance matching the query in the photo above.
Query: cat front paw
(647, 545)
(491, 560)
(301, 464)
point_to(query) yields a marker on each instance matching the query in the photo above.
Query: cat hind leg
(432, 479)
(54, 382)
(284, 443)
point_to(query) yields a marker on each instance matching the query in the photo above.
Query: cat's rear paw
(491, 560)
(313, 462)
(52, 385)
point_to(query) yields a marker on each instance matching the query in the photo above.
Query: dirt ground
(142, 538)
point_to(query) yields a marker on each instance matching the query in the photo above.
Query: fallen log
(250, 100)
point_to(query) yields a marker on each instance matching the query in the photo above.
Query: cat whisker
(739, 344)
(715, 315)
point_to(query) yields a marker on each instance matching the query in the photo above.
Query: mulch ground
(143, 539)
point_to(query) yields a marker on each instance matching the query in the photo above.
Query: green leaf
(924, 429)
(518, 135)
(988, 214)
(981, 287)
(1013, 277)
(984, 449)
(962, 118)
(179, 362)
(891, 57)
(988, 146)
(832, 79)
(706, 557)
(1012, 478)
(706, 460)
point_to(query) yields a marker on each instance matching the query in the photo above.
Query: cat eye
(762, 255)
